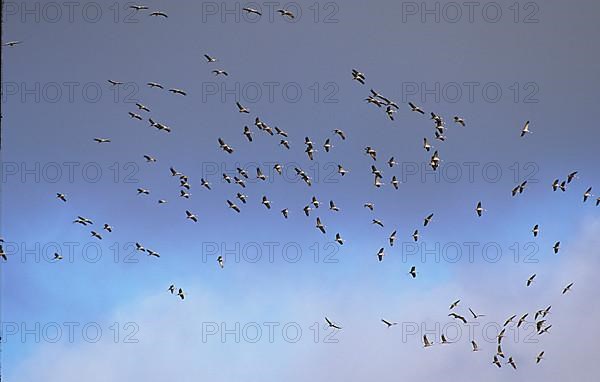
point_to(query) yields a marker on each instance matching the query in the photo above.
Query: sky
(103, 311)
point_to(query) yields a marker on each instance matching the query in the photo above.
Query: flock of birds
(242, 175)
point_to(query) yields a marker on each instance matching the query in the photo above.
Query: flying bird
(525, 129)
(178, 91)
(388, 323)
(265, 202)
(413, 272)
(210, 59)
(286, 13)
(252, 10)
(191, 216)
(330, 324)
(567, 288)
(159, 13)
(319, 225)
(241, 108)
(62, 197)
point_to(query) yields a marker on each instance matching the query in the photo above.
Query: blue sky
(536, 63)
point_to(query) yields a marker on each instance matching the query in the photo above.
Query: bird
(380, 254)
(370, 206)
(327, 145)
(204, 183)
(395, 182)
(12, 43)
(251, 10)
(509, 319)
(191, 216)
(241, 197)
(225, 147)
(307, 210)
(285, 212)
(377, 222)
(454, 304)
(340, 133)
(226, 178)
(138, 7)
(181, 294)
(171, 288)
(220, 261)
(522, 320)
(358, 76)
(330, 324)
(265, 202)
(233, 206)
(286, 13)
(496, 361)
(415, 235)
(57, 257)
(96, 235)
(444, 341)
(155, 85)
(567, 288)
(392, 238)
(217, 72)
(587, 194)
(338, 239)
(62, 197)
(475, 316)
(536, 230)
(115, 83)
(556, 247)
(557, 184)
(519, 188)
(241, 108)
(511, 362)
(107, 228)
(152, 253)
(333, 207)
(460, 121)
(413, 272)
(210, 59)
(539, 357)
(458, 317)
(2, 253)
(426, 342)
(427, 220)
(315, 202)
(175, 172)
(159, 13)
(388, 323)
(479, 209)
(260, 175)
(278, 131)
(320, 225)
(142, 191)
(102, 140)
(530, 279)
(475, 347)
(525, 129)
(178, 91)
(415, 108)
(135, 116)
(139, 247)
(285, 143)
(141, 107)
